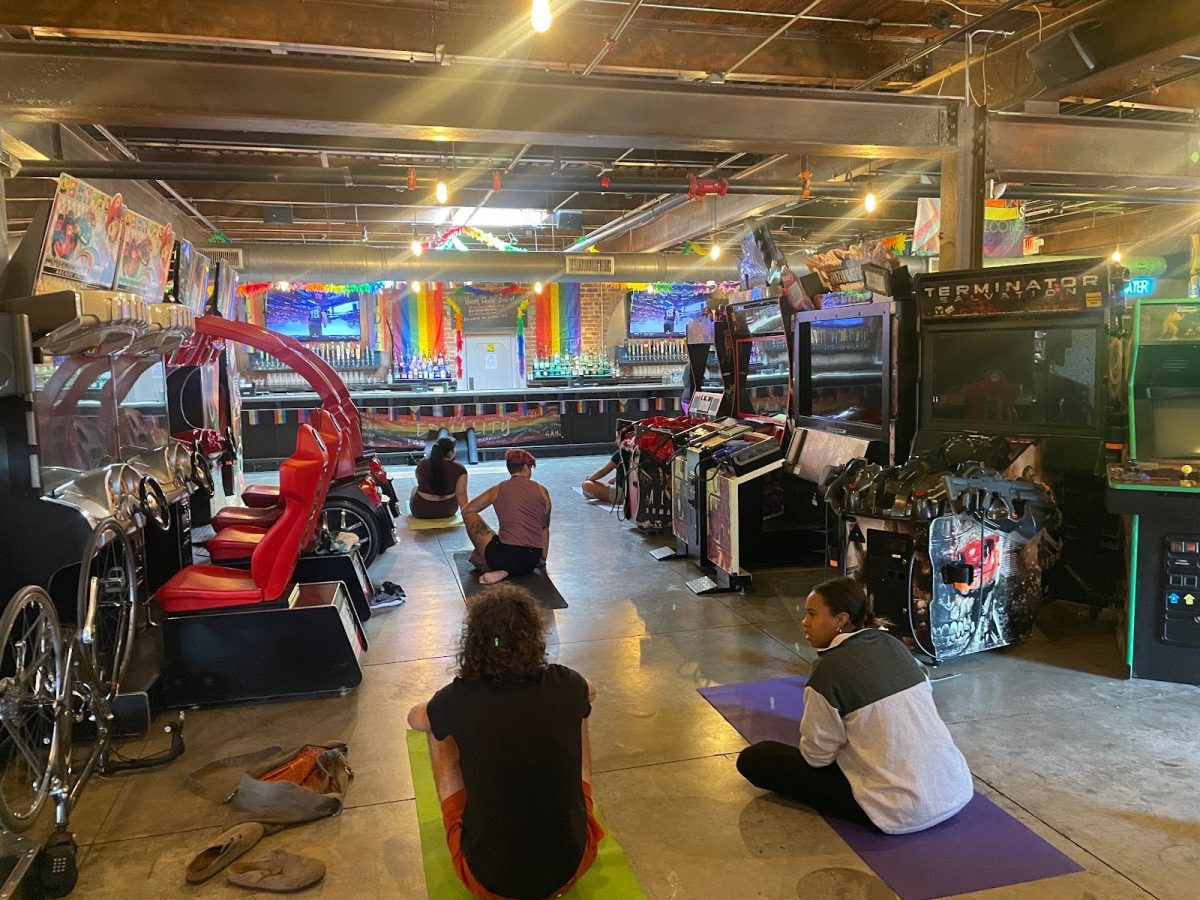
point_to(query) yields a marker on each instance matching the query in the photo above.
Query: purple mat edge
(879, 851)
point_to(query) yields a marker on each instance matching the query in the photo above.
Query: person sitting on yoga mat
(523, 510)
(441, 487)
(873, 748)
(508, 740)
(595, 487)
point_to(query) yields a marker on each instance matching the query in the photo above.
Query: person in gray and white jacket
(873, 748)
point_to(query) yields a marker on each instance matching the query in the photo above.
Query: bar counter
(559, 419)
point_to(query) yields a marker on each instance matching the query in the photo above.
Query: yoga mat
(982, 847)
(416, 524)
(609, 878)
(536, 582)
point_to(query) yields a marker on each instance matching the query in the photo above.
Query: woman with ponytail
(873, 748)
(441, 483)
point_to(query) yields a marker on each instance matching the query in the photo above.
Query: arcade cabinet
(1034, 353)
(1157, 491)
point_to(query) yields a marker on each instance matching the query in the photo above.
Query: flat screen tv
(314, 316)
(661, 314)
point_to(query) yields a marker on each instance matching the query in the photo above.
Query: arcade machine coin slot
(1031, 353)
(1157, 490)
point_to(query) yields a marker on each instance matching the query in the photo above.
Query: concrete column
(963, 191)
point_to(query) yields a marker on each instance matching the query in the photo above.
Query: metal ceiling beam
(1144, 33)
(1148, 230)
(489, 32)
(1056, 149)
(188, 90)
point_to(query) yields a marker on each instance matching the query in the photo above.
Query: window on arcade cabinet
(1022, 376)
(75, 408)
(848, 369)
(141, 386)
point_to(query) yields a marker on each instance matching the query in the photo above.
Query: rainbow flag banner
(559, 316)
(420, 321)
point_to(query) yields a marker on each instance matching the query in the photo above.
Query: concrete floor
(1105, 769)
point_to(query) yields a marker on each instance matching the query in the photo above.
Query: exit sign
(1139, 287)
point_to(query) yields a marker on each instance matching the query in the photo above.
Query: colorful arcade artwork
(314, 315)
(145, 257)
(536, 425)
(82, 239)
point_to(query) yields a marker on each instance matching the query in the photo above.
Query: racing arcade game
(1157, 490)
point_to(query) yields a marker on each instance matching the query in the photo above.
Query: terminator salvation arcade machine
(1157, 490)
(955, 544)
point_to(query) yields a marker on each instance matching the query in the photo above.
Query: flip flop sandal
(224, 850)
(278, 871)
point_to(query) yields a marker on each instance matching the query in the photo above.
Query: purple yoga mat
(982, 847)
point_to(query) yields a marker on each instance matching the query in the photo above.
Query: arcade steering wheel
(154, 502)
(201, 474)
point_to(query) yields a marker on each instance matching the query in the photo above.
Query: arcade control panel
(1181, 590)
(1155, 476)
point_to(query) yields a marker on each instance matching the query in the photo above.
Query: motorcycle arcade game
(1157, 490)
(1014, 412)
(855, 361)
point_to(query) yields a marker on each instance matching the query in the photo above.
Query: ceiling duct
(354, 263)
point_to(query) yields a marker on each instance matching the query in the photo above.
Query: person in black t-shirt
(508, 740)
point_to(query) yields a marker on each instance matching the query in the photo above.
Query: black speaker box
(1072, 54)
(568, 220)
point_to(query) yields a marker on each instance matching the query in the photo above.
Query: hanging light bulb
(416, 248)
(715, 251)
(441, 192)
(537, 287)
(869, 203)
(540, 17)
(417, 286)
(1116, 256)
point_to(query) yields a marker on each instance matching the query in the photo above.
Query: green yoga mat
(609, 878)
(416, 524)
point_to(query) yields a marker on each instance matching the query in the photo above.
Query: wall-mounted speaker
(568, 220)
(1073, 54)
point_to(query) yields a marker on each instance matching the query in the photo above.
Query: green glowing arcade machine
(1158, 489)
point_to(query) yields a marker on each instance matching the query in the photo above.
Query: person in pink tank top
(523, 511)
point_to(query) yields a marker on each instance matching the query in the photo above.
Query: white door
(490, 362)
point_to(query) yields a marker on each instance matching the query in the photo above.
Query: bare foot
(493, 577)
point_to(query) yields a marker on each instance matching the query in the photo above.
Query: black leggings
(782, 769)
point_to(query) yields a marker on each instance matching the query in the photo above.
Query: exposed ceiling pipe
(778, 31)
(929, 48)
(363, 262)
(610, 42)
(905, 190)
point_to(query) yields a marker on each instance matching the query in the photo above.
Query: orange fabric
(452, 813)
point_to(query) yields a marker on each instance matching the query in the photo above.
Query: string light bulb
(715, 251)
(417, 286)
(1116, 256)
(416, 248)
(537, 287)
(442, 193)
(870, 203)
(540, 17)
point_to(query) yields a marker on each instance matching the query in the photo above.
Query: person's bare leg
(595, 490)
(447, 773)
(481, 535)
(587, 754)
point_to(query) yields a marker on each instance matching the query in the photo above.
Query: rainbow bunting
(421, 320)
(559, 320)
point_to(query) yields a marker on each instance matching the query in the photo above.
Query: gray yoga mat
(537, 582)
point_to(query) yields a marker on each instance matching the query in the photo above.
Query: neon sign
(1139, 287)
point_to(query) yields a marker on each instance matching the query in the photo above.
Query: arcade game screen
(141, 404)
(1022, 376)
(314, 317)
(848, 374)
(656, 314)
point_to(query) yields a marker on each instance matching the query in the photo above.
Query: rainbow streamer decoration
(421, 321)
(559, 320)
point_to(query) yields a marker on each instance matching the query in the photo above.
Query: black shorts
(511, 559)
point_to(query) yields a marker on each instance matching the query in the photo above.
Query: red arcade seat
(266, 496)
(238, 542)
(261, 516)
(202, 587)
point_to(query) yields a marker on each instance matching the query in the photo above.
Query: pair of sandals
(277, 870)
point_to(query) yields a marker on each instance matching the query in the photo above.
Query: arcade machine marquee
(1157, 490)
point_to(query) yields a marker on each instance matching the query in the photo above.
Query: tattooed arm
(545, 526)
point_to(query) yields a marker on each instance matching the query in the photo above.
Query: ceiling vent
(591, 264)
(231, 255)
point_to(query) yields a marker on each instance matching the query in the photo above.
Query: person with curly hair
(508, 739)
